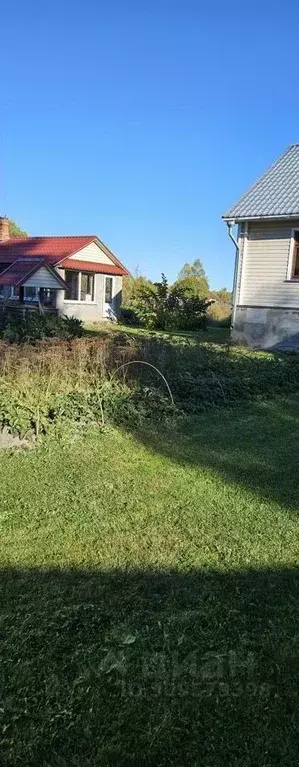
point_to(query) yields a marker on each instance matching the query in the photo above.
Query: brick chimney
(4, 228)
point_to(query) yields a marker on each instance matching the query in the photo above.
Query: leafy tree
(157, 306)
(15, 231)
(192, 287)
(127, 289)
(223, 296)
(161, 302)
(188, 303)
(221, 305)
(133, 289)
(193, 270)
(146, 301)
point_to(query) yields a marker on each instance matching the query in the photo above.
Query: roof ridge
(54, 237)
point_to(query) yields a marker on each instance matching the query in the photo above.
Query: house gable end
(45, 278)
(92, 252)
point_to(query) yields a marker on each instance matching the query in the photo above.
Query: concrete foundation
(267, 328)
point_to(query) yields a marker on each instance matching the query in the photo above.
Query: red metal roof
(53, 249)
(92, 266)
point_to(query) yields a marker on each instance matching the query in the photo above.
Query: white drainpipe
(230, 225)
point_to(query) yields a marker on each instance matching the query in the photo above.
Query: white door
(108, 298)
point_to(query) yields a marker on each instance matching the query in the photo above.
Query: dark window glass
(87, 287)
(48, 296)
(108, 290)
(31, 294)
(72, 281)
(295, 272)
(296, 261)
(14, 292)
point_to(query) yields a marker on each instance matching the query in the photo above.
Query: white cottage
(266, 279)
(74, 276)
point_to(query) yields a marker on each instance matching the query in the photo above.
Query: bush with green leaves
(220, 309)
(158, 307)
(188, 304)
(35, 326)
(129, 316)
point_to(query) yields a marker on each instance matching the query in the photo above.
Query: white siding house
(74, 276)
(266, 290)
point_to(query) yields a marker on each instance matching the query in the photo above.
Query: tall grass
(77, 379)
(54, 381)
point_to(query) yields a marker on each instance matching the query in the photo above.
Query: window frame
(88, 275)
(34, 300)
(14, 296)
(109, 277)
(294, 249)
(78, 299)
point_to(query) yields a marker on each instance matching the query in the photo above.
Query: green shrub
(220, 309)
(35, 326)
(129, 316)
(72, 326)
(187, 305)
(158, 307)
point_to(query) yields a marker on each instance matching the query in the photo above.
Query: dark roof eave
(282, 217)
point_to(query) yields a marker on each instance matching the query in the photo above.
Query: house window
(87, 287)
(108, 290)
(295, 271)
(48, 297)
(72, 281)
(30, 294)
(14, 292)
(80, 286)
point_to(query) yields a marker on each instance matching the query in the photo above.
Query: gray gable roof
(276, 193)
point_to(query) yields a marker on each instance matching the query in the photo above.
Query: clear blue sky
(142, 121)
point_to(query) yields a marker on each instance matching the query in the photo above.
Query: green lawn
(212, 334)
(150, 595)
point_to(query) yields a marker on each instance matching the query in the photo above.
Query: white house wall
(92, 252)
(265, 258)
(87, 311)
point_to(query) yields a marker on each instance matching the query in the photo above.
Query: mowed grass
(149, 595)
(212, 334)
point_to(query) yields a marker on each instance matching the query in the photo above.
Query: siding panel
(265, 266)
(92, 252)
(42, 279)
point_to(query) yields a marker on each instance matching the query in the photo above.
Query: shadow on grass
(254, 446)
(149, 668)
(240, 426)
(214, 333)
